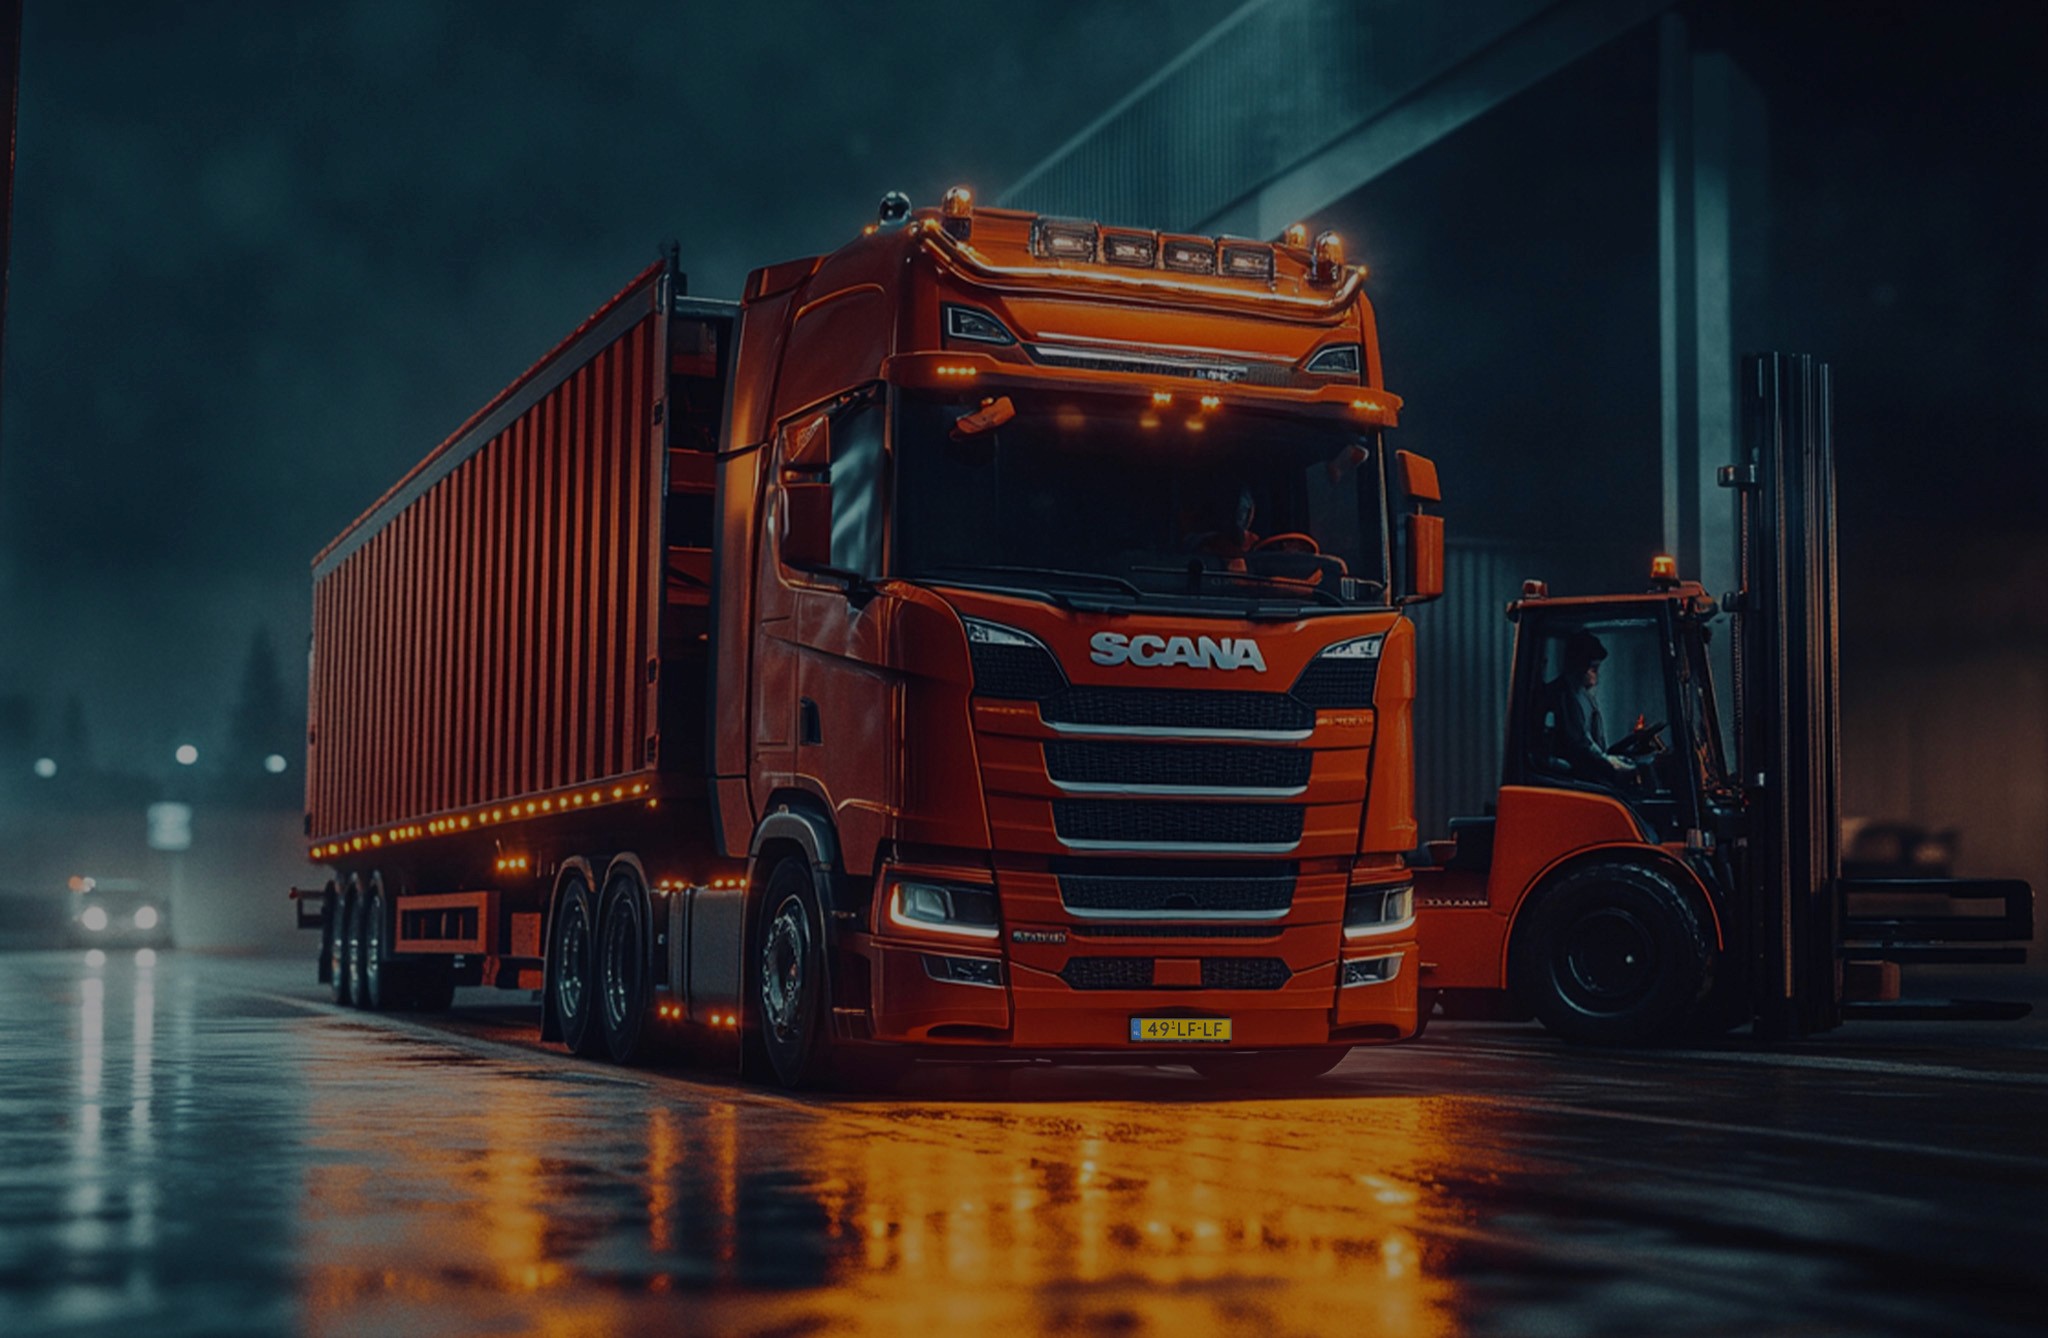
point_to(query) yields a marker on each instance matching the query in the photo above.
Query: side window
(1599, 692)
(857, 466)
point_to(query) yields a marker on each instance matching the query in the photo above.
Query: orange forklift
(1630, 886)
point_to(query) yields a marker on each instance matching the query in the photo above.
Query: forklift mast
(1811, 960)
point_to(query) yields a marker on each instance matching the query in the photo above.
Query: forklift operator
(1572, 727)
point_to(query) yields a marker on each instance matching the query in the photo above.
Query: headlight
(943, 908)
(145, 917)
(94, 918)
(1378, 910)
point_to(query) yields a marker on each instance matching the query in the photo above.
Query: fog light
(1371, 970)
(983, 971)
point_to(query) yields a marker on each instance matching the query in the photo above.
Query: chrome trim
(1204, 369)
(1186, 848)
(1374, 931)
(1176, 732)
(1190, 791)
(1098, 914)
(1238, 355)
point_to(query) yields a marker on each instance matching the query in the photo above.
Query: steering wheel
(1293, 541)
(1641, 741)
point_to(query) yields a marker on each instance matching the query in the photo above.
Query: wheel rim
(575, 944)
(345, 950)
(1608, 959)
(784, 950)
(621, 949)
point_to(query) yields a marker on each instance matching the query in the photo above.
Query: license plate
(1212, 1030)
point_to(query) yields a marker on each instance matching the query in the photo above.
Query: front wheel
(789, 977)
(1612, 954)
(1270, 1068)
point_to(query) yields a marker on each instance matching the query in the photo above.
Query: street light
(46, 767)
(186, 754)
(274, 764)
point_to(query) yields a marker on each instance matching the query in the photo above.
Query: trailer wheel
(622, 965)
(572, 967)
(789, 977)
(343, 959)
(1270, 1068)
(1611, 954)
(352, 946)
(375, 985)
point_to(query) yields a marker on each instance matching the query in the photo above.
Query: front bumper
(1036, 1008)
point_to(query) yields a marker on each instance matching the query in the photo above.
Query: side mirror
(807, 523)
(806, 538)
(1422, 565)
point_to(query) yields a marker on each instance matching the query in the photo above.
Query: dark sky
(267, 255)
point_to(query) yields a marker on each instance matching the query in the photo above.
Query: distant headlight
(145, 917)
(94, 918)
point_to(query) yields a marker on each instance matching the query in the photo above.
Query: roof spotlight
(957, 212)
(1329, 259)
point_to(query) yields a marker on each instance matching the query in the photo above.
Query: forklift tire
(1612, 954)
(786, 968)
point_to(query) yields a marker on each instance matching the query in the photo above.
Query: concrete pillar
(1712, 232)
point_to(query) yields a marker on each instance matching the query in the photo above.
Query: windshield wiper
(1194, 573)
(1049, 573)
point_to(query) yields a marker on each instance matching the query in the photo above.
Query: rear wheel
(789, 978)
(376, 975)
(358, 917)
(572, 964)
(1612, 954)
(340, 909)
(622, 965)
(1269, 1068)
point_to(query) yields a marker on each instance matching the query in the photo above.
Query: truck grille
(1177, 709)
(1332, 685)
(1206, 893)
(1156, 929)
(1122, 823)
(1135, 973)
(1216, 765)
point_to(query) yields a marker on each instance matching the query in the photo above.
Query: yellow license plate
(1214, 1030)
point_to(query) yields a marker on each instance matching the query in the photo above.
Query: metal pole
(10, 70)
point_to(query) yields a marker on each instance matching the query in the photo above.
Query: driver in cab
(1571, 721)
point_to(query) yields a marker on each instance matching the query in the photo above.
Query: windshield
(1131, 500)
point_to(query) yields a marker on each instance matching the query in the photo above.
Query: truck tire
(787, 969)
(379, 988)
(1269, 1068)
(358, 983)
(624, 988)
(572, 967)
(1611, 954)
(340, 910)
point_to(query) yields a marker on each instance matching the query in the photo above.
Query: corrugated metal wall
(1464, 649)
(489, 639)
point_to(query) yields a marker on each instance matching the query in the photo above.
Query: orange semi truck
(983, 639)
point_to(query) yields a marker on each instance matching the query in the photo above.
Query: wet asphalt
(203, 1145)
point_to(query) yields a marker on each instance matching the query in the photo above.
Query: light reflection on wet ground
(200, 1146)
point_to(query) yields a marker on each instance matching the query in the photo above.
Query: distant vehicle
(118, 913)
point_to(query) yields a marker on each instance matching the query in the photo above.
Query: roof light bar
(1247, 260)
(1130, 248)
(1190, 255)
(1063, 239)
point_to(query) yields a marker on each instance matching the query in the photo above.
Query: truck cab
(1062, 684)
